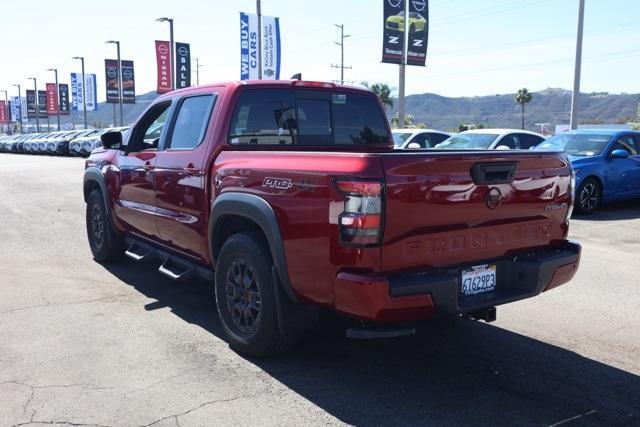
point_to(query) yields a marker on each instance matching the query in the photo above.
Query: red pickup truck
(288, 196)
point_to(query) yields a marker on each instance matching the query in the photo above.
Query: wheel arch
(236, 212)
(94, 180)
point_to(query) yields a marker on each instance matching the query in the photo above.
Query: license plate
(478, 280)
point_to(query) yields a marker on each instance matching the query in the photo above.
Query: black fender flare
(94, 175)
(259, 211)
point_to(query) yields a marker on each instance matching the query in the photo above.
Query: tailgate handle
(493, 173)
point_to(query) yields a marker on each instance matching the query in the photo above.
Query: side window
(191, 122)
(627, 143)
(437, 138)
(510, 141)
(423, 140)
(264, 117)
(527, 141)
(146, 134)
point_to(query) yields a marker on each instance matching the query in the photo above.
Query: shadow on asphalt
(617, 211)
(473, 374)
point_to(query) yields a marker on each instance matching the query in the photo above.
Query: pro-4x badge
(277, 183)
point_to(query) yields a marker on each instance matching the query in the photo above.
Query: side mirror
(619, 154)
(413, 146)
(111, 139)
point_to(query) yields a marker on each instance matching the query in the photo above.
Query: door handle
(192, 170)
(148, 166)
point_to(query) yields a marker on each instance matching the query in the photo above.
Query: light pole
(35, 90)
(259, 13)
(401, 78)
(117, 43)
(55, 71)
(84, 92)
(19, 102)
(576, 76)
(341, 44)
(6, 110)
(198, 71)
(173, 55)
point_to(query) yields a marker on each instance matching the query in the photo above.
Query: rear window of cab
(307, 118)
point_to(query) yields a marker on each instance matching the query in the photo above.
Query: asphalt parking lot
(120, 345)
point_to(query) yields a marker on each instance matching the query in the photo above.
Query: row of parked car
(70, 142)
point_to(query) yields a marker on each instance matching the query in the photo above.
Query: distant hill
(548, 106)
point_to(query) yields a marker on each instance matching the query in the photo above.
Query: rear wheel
(104, 241)
(588, 196)
(246, 298)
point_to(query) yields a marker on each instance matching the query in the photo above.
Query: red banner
(163, 60)
(52, 99)
(3, 112)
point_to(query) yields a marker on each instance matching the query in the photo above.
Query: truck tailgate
(438, 213)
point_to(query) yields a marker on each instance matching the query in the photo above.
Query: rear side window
(528, 141)
(307, 117)
(191, 122)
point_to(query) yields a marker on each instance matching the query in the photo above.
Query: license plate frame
(478, 280)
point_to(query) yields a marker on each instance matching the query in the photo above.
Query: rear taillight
(572, 194)
(361, 221)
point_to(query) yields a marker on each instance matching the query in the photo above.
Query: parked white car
(492, 139)
(411, 139)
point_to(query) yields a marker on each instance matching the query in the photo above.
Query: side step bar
(173, 266)
(137, 252)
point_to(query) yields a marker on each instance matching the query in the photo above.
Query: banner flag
(74, 92)
(128, 83)
(418, 32)
(52, 99)
(31, 104)
(15, 109)
(111, 75)
(91, 92)
(63, 97)
(3, 113)
(393, 33)
(89, 85)
(271, 47)
(183, 65)
(42, 104)
(163, 61)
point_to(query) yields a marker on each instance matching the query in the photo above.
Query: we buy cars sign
(52, 99)
(163, 60)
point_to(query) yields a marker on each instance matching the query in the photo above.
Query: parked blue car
(606, 163)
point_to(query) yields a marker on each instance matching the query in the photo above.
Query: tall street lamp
(117, 43)
(20, 103)
(35, 90)
(173, 56)
(55, 71)
(84, 92)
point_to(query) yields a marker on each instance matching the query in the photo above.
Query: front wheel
(588, 196)
(246, 298)
(104, 241)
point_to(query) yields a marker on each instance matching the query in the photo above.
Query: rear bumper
(424, 295)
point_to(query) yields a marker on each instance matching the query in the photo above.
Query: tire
(412, 29)
(105, 242)
(245, 295)
(588, 196)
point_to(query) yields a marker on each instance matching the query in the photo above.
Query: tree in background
(408, 121)
(523, 97)
(383, 91)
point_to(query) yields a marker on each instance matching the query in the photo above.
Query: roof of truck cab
(259, 83)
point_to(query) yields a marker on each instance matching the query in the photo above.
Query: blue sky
(476, 47)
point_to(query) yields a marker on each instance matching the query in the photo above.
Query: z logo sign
(394, 39)
(418, 43)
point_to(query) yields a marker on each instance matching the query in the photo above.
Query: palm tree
(383, 91)
(523, 97)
